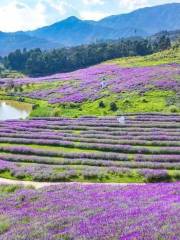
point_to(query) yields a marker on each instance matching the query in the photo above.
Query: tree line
(36, 62)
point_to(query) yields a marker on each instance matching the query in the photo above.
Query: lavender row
(97, 146)
(130, 117)
(158, 139)
(85, 155)
(97, 125)
(42, 172)
(51, 137)
(134, 133)
(95, 122)
(108, 119)
(83, 126)
(92, 162)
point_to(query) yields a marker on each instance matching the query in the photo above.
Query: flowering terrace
(144, 148)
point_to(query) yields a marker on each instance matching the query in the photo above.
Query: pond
(14, 110)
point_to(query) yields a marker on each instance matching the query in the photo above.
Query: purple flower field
(76, 211)
(90, 83)
(144, 148)
(92, 154)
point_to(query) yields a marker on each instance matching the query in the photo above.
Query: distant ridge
(149, 19)
(11, 41)
(74, 31)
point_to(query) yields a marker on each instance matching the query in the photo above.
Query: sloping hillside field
(134, 148)
(117, 122)
(91, 212)
(136, 84)
(90, 83)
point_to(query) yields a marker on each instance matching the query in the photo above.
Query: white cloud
(30, 14)
(129, 5)
(93, 2)
(95, 15)
(17, 16)
(61, 7)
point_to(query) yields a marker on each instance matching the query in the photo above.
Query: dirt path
(38, 185)
(25, 183)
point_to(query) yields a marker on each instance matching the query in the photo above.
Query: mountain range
(73, 31)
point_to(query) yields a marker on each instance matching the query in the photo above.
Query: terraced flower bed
(96, 82)
(91, 212)
(141, 148)
(132, 85)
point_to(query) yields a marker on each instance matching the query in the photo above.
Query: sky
(16, 15)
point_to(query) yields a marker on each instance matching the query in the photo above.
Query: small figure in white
(121, 120)
(103, 84)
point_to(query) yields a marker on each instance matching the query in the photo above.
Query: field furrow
(142, 148)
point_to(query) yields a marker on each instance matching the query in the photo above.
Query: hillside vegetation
(135, 84)
(164, 57)
(41, 63)
(90, 135)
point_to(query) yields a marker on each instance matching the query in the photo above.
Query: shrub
(21, 99)
(35, 106)
(74, 105)
(173, 109)
(155, 175)
(144, 100)
(92, 174)
(126, 101)
(113, 107)
(176, 175)
(56, 112)
(105, 113)
(101, 104)
(171, 101)
(5, 189)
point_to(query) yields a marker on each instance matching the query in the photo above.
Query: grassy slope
(165, 57)
(152, 101)
(5, 73)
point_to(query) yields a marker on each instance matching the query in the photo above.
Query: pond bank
(10, 109)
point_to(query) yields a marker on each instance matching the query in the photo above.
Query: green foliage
(101, 104)
(113, 107)
(161, 43)
(173, 109)
(43, 109)
(151, 101)
(144, 100)
(21, 99)
(37, 63)
(7, 73)
(6, 189)
(163, 57)
(35, 106)
(4, 224)
(56, 112)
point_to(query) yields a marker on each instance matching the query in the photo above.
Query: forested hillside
(38, 63)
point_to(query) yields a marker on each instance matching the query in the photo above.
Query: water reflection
(14, 110)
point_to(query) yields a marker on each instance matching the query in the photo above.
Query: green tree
(101, 104)
(113, 107)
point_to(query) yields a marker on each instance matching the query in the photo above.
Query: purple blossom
(95, 211)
